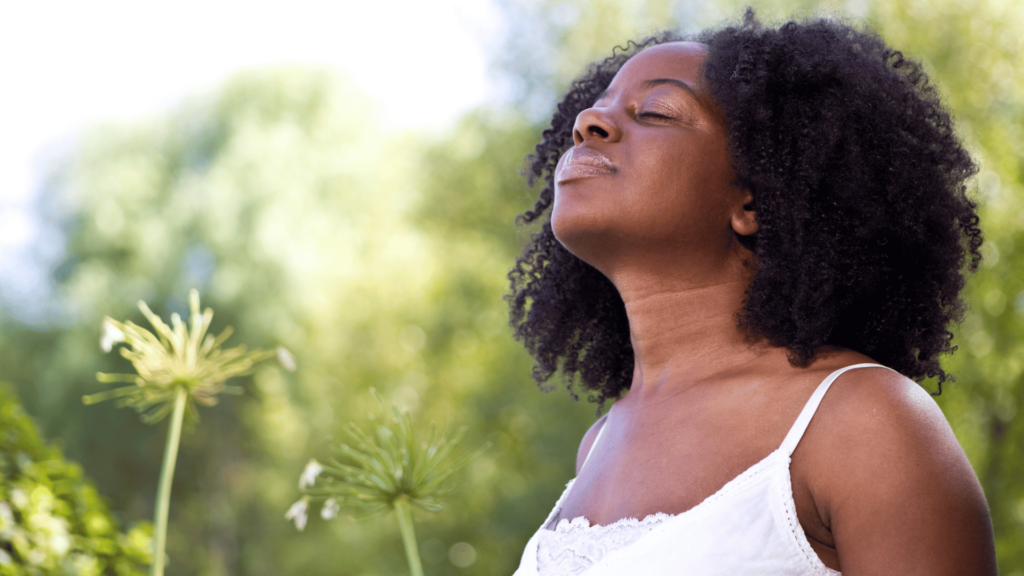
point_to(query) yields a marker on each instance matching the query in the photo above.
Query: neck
(685, 334)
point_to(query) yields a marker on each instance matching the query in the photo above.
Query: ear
(743, 220)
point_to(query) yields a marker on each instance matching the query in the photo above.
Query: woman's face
(649, 180)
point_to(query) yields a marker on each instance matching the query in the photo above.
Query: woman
(738, 226)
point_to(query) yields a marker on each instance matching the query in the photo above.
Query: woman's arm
(892, 484)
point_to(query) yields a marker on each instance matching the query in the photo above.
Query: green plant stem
(412, 553)
(163, 491)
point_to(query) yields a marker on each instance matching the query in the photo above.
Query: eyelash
(652, 115)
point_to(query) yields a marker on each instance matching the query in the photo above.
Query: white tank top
(748, 527)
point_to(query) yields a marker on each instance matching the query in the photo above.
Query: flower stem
(163, 491)
(412, 553)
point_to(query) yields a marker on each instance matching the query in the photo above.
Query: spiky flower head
(386, 464)
(175, 357)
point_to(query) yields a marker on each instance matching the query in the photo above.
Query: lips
(583, 163)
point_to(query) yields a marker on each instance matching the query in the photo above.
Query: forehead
(676, 60)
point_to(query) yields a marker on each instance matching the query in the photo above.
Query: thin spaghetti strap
(596, 440)
(800, 426)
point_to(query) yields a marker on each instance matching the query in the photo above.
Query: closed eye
(654, 115)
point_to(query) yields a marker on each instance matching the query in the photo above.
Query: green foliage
(52, 521)
(301, 225)
(380, 259)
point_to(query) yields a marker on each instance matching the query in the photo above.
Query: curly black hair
(865, 229)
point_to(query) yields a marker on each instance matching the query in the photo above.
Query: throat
(688, 336)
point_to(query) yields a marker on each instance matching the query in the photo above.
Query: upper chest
(670, 456)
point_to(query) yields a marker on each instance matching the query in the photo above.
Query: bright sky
(66, 65)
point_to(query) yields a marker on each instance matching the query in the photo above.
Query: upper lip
(587, 157)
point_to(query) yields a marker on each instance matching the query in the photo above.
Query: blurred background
(342, 179)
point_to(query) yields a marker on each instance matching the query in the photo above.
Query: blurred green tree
(380, 259)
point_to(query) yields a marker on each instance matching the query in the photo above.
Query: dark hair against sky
(859, 187)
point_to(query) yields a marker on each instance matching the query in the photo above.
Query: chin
(582, 234)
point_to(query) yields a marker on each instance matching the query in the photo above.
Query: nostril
(598, 131)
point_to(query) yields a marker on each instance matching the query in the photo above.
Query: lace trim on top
(574, 545)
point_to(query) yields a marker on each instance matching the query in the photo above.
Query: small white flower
(330, 509)
(308, 477)
(286, 359)
(297, 513)
(110, 335)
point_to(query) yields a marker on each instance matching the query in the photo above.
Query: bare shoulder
(892, 483)
(588, 442)
(877, 404)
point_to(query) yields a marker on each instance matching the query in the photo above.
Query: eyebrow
(658, 82)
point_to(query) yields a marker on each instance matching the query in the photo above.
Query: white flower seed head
(297, 513)
(330, 509)
(109, 334)
(308, 477)
(286, 358)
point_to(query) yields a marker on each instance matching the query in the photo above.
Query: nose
(594, 123)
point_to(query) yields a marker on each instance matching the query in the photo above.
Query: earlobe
(744, 220)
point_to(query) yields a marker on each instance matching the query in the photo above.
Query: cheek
(685, 194)
(669, 193)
